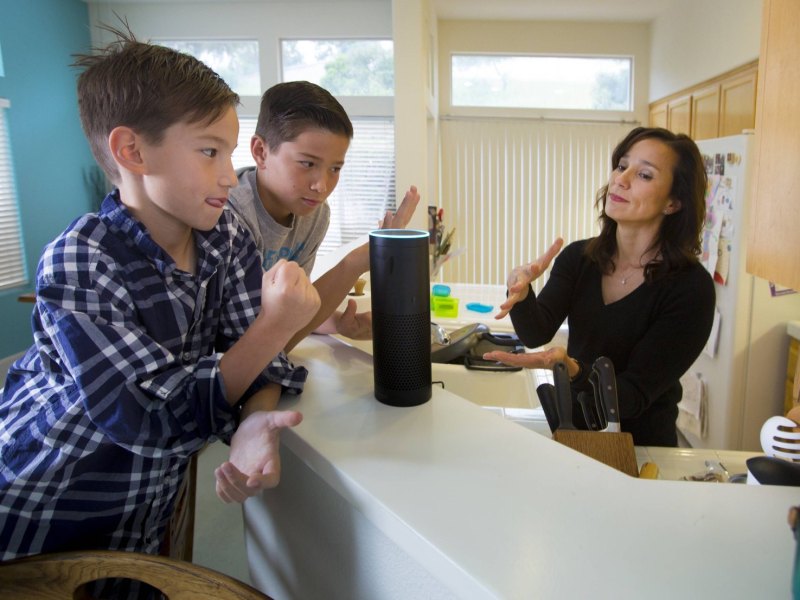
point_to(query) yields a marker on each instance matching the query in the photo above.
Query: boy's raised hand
(520, 277)
(287, 296)
(400, 218)
(353, 324)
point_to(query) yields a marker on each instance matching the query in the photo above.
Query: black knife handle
(606, 389)
(563, 395)
(589, 409)
(547, 398)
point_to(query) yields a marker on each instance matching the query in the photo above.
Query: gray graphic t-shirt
(298, 242)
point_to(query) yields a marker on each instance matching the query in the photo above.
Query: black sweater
(652, 336)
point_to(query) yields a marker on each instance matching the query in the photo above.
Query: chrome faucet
(439, 335)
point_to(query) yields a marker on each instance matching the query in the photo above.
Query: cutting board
(614, 449)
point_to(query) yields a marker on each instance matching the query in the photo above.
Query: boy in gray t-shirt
(299, 147)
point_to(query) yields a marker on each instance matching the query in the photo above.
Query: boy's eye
(646, 176)
(307, 163)
(209, 152)
(336, 169)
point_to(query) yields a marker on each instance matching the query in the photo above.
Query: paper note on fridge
(713, 337)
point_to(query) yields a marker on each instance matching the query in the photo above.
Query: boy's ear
(123, 143)
(259, 149)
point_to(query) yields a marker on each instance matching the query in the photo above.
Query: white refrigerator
(742, 371)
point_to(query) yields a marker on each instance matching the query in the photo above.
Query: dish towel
(693, 407)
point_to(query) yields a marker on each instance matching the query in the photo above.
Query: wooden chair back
(61, 576)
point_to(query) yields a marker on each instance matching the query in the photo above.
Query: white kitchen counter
(447, 500)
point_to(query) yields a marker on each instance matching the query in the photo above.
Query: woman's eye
(209, 152)
(336, 169)
(307, 163)
(646, 176)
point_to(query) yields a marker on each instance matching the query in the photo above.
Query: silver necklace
(623, 280)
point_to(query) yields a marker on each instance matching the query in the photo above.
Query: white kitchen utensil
(780, 437)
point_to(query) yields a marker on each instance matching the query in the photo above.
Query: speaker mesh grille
(401, 350)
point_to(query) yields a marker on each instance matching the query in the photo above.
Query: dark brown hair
(145, 87)
(679, 238)
(288, 109)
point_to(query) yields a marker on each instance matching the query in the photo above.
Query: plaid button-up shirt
(122, 385)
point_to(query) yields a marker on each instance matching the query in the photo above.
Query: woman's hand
(255, 463)
(545, 359)
(521, 277)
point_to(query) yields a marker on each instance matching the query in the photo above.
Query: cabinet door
(679, 115)
(658, 115)
(773, 248)
(705, 113)
(738, 105)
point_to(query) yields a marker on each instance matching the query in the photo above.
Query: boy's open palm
(255, 462)
(288, 298)
(402, 216)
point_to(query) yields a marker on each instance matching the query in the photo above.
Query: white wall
(698, 40)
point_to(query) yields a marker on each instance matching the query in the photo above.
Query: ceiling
(514, 10)
(552, 10)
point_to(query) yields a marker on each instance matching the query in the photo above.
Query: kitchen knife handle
(563, 395)
(547, 398)
(589, 409)
(606, 389)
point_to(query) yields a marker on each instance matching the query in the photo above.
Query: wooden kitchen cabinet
(679, 115)
(705, 113)
(658, 114)
(737, 108)
(791, 374)
(773, 244)
(723, 105)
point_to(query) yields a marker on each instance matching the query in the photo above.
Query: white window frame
(540, 113)
(13, 267)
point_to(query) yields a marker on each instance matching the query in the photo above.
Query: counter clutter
(446, 500)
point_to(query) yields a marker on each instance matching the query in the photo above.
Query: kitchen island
(447, 500)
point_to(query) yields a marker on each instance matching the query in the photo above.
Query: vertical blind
(510, 187)
(12, 261)
(366, 188)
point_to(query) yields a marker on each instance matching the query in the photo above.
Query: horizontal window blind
(366, 188)
(510, 187)
(12, 261)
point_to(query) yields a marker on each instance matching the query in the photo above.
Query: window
(366, 187)
(542, 82)
(343, 67)
(236, 61)
(12, 263)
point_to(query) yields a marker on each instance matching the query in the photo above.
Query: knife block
(612, 448)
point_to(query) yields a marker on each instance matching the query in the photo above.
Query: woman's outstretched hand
(521, 277)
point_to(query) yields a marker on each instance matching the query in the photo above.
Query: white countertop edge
(721, 510)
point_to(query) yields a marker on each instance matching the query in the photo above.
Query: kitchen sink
(503, 389)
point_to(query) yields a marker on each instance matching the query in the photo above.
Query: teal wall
(50, 153)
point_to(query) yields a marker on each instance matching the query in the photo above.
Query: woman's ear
(124, 145)
(672, 207)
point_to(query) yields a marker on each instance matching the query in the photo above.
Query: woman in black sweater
(635, 294)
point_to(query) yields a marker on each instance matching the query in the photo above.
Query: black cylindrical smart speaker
(401, 315)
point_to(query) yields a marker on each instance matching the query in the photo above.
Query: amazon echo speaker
(401, 316)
